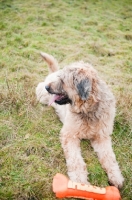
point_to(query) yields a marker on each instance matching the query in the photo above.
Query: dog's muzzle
(60, 99)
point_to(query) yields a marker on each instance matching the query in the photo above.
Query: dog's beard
(60, 99)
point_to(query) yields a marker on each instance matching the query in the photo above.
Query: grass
(99, 32)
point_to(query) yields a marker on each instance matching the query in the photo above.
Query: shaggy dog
(86, 107)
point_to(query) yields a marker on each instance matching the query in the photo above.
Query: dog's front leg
(77, 170)
(107, 158)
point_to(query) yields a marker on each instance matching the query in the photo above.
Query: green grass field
(99, 32)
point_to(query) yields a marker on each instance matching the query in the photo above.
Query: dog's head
(72, 84)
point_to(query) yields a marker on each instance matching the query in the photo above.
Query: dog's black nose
(47, 87)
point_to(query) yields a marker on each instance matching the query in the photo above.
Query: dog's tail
(51, 61)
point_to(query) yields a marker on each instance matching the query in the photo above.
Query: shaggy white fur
(86, 107)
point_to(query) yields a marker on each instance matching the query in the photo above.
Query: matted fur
(88, 115)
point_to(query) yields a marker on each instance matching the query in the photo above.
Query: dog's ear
(83, 88)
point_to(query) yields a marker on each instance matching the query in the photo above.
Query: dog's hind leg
(51, 61)
(42, 94)
(103, 148)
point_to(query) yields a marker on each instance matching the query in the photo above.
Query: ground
(99, 32)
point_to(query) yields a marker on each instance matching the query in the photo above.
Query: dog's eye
(75, 79)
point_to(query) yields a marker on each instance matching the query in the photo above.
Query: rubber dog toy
(63, 187)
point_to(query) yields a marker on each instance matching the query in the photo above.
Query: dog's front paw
(116, 179)
(79, 177)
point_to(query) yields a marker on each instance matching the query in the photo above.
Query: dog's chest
(88, 129)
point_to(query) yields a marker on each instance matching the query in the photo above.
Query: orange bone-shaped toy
(63, 187)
